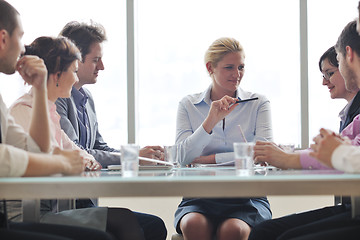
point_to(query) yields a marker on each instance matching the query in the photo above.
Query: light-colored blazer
(66, 108)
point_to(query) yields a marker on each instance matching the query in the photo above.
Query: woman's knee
(233, 229)
(194, 221)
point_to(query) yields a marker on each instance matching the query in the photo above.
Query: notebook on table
(161, 165)
(143, 168)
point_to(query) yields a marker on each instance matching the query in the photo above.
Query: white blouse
(254, 117)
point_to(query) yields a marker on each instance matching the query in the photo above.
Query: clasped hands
(325, 144)
(154, 152)
(323, 147)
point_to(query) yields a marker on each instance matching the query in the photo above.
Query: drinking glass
(244, 153)
(171, 154)
(129, 160)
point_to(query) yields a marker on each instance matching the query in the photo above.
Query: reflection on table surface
(229, 172)
(194, 174)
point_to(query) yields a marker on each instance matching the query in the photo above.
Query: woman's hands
(269, 152)
(219, 110)
(325, 144)
(71, 160)
(154, 152)
(205, 159)
(91, 164)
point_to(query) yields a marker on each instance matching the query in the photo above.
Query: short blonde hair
(220, 47)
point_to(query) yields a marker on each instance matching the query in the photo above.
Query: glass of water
(129, 160)
(171, 154)
(244, 153)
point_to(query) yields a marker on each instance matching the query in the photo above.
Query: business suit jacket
(354, 110)
(66, 108)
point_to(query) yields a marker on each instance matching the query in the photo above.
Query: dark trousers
(124, 224)
(6, 234)
(306, 223)
(27, 230)
(348, 229)
(152, 226)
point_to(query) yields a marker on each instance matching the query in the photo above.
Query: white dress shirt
(346, 158)
(254, 117)
(14, 140)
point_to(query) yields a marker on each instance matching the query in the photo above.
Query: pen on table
(155, 161)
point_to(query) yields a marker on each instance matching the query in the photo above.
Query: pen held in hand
(246, 100)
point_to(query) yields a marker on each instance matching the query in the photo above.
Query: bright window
(326, 20)
(47, 18)
(172, 37)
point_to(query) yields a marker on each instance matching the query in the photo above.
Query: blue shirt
(254, 117)
(80, 99)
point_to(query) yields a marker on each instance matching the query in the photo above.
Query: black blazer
(354, 110)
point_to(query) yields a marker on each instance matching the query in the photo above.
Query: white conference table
(187, 182)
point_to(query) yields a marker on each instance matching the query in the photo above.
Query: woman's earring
(57, 84)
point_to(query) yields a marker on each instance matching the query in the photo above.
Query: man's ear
(4, 35)
(349, 53)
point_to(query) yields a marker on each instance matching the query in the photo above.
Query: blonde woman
(207, 126)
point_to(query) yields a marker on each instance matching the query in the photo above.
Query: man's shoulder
(65, 106)
(62, 101)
